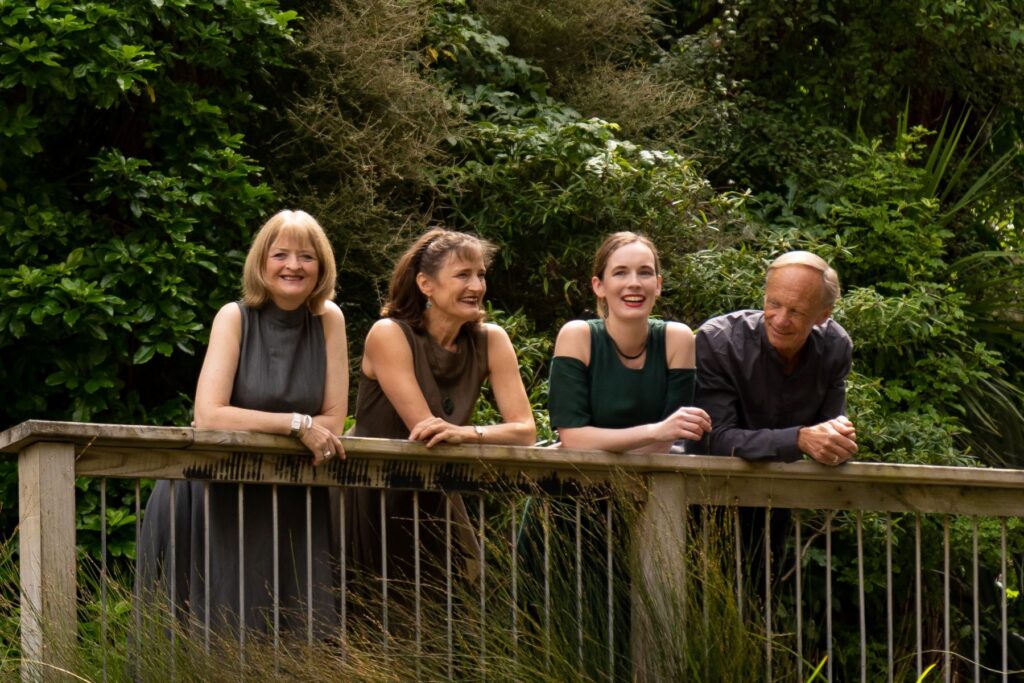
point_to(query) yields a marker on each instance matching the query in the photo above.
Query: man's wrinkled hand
(832, 442)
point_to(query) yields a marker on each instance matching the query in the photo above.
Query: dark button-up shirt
(756, 408)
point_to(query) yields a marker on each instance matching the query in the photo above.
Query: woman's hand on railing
(435, 430)
(687, 422)
(322, 443)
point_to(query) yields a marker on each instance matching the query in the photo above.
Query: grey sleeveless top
(282, 362)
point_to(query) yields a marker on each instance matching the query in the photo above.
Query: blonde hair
(302, 226)
(829, 276)
(611, 244)
(428, 254)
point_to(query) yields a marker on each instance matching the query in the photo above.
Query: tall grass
(533, 624)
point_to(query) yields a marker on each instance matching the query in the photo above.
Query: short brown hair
(300, 224)
(611, 244)
(427, 255)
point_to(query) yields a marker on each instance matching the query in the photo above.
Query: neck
(789, 360)
(442, 329)
(630, 336)
(286, 304)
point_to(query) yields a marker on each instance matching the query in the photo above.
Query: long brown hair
(610, 245)
(427, 255)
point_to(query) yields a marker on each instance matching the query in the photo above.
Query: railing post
(46, 544)
(657, 591)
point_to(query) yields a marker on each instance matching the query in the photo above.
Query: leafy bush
(548, 194)
(568, 37)
(126, 196)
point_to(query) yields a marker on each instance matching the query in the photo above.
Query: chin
(631, 313)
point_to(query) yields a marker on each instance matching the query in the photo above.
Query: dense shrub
(126, 195)
(548, 194)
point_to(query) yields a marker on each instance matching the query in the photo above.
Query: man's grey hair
(829, 276)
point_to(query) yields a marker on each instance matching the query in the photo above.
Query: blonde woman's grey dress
(281, 368)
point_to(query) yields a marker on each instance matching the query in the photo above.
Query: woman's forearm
(245, 419)
(522, 433)
(607, 439)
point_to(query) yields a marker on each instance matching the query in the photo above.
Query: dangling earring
(429, 303)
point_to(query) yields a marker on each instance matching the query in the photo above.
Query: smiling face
(630, 283)
(793, 305)
(291, 270)
(457, 289)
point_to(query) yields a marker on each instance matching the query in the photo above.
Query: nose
(477, 283)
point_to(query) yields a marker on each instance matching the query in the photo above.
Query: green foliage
(126, 155)
(878, 530)
(547, 194)
(533, 351)
(366, 129)
(126, 196)
(567, 37)
(876, 207)
(785, 80)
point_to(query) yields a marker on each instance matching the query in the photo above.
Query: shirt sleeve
(718, 394)
(834, 402)
(569, 393)
(680, 390)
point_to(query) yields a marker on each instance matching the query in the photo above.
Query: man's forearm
(756, 444)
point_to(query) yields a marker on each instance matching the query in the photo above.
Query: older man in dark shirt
(773, 381)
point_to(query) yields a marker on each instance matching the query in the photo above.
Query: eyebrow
(306, 250)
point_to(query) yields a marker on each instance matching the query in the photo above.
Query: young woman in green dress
(625, 382)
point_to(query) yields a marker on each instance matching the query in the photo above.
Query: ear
(597, 286)
(657, 292)
(425, 284)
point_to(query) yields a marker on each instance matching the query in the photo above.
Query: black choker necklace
(619, 351)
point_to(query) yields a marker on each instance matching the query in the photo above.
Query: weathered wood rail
(52, 454)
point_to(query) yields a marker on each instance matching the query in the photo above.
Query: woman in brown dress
(422, 368)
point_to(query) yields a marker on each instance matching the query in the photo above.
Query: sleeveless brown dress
(450, 382)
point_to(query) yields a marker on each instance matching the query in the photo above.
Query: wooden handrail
(130, 451)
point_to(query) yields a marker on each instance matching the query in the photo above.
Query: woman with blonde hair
(277, 362)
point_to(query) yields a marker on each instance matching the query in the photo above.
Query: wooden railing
(52, 454)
